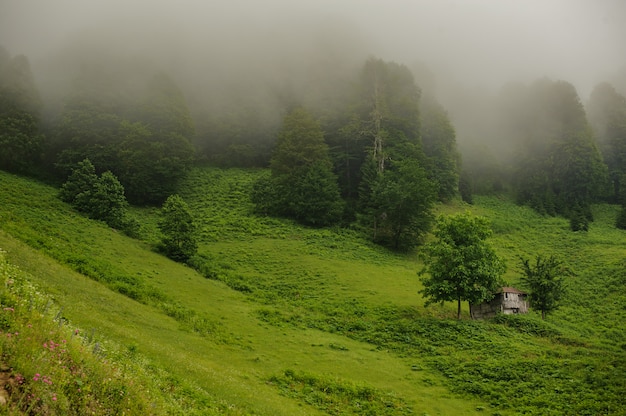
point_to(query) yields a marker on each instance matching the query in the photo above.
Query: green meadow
(279, 319)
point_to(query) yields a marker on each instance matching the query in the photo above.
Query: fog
(215, 47)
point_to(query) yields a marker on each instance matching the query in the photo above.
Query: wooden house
(507, 300)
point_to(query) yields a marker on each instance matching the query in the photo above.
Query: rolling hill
(279, 319)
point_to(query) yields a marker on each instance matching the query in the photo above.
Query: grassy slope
(232, 364)
(327, 304)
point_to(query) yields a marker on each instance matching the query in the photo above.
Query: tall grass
(52, 367)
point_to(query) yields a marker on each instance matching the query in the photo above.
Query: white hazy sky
(477, 42)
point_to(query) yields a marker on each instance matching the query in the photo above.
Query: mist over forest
(480, 88)
(323, 177)
(457, 49)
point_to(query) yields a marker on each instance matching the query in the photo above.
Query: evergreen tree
(607, 113)
(386, 124)
(300, 144)
(144, 142)
(101, 198)
(465, 188)
(150, 169)
(164, 111)
(20, 140)
(108, 202)
(314, 195)
(439, 143)
(562, 170)
(179, 241)
(402, 200)
(620, 221)
(302, 185)
(80, 184)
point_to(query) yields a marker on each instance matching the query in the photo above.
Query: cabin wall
(507, 303)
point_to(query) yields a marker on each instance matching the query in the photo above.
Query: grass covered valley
(279, 319)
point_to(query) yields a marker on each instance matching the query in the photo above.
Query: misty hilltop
(215, 44)
(478, 94)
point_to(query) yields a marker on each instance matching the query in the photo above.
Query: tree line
(377, 155)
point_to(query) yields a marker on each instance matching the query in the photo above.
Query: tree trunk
(377, 115)
(543, 315)
(458, 309)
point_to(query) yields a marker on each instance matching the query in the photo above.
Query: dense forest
(369, 148)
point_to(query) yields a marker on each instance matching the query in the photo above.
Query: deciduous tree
(461, 265)
(544, 280)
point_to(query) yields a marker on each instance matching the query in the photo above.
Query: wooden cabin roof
(508, 289)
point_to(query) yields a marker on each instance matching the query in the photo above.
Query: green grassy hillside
(288, 320)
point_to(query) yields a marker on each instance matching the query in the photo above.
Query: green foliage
(300, 144)
(313, 195)
(579, 218)
(179, 230)
(465, 188)
(108, 202)
(151, 167)
(20, 140)
(562, 170)
(79, 184)
(336, 397)
(528, 324)
(607, 114)
(382, 137)
(321, 300)
(544, 280)
(401, 205)
(20, 143)
(164, 109)
(439, 142)
(462, 266)
(102, 198)
(266, 195)
(379, 120)
(146, 144)
(620, 222)
(57, 370)
(302, 185)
